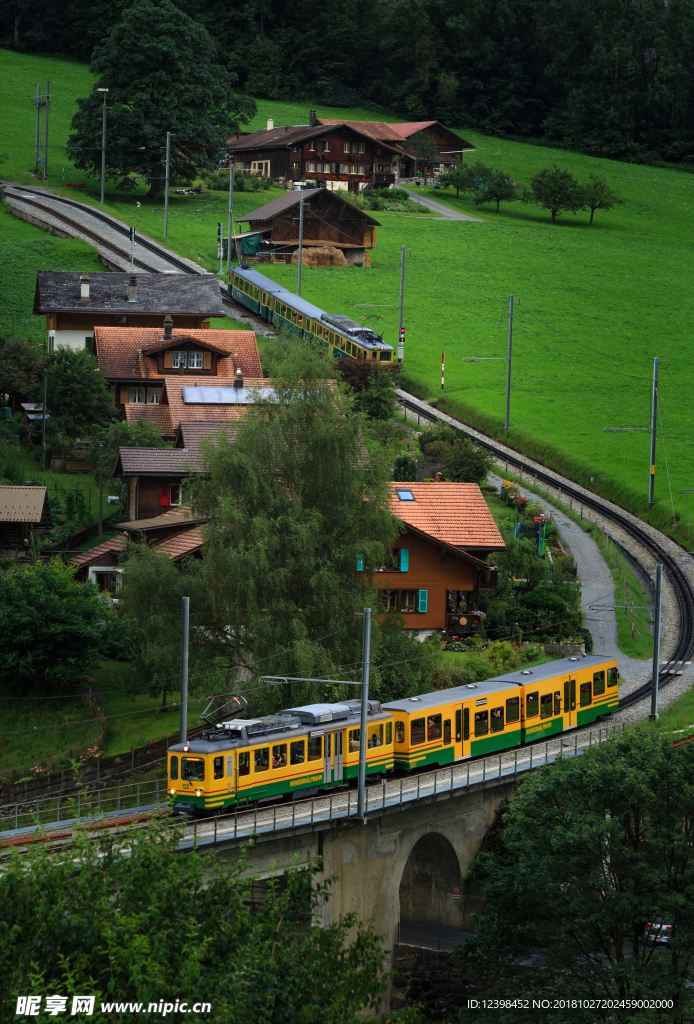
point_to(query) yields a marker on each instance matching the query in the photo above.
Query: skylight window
(405, 495)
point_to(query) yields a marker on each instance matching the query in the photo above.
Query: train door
(463, 716)
(569, 702)
(327, 766)
(339, 767)
(232, 782)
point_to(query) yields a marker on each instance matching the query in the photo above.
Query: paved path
(597, 587)
(446, 212)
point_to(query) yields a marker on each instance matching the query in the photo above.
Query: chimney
(132, 288)
(238, 378)
(84, 288)
(312, 119)
(168, 328)
(270, 124)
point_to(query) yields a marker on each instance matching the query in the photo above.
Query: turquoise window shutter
(423, 600)
(404, 559)
(360, 563)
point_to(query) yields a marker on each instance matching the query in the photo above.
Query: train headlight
(173, 792)
(186, 748)
(198, 792)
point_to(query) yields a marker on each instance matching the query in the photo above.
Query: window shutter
(404, 559)
(164, 496)
(207, 360)
(124, 395)
(360, 563)
(423, 600)
(167, 359)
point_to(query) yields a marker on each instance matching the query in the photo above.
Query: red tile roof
(181, 516)
(118, 351)
(116, 544)
(155, 462)
(456, 514)
(379, 130)
(158, 414)
(180, 544)
(203, 411)
(407, 128)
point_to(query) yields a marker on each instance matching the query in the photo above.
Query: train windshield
(193, 769)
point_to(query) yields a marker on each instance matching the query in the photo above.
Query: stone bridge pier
(399, 866)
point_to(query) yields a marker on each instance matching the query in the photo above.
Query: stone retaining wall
(429, 978)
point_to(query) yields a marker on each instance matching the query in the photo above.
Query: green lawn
(593, 305)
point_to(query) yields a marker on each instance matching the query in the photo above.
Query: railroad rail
(112, 223)
(681, 586)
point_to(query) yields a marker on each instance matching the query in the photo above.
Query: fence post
(515, 761)
(499, 767)
(98, 802)
(293, 814)
(16, 815)
(119, 798)
(435, 780)
(418, 780)
(132, 757)
(451, 778)
(25, 790)
(62, 780)
(274, 817)
(97, 769)
(531, 757)
(366, 808)
(384, 793)
(255, 820)
(313, 800)
(546, 751)
(215, 828)
(576, 744)
(401, 792)
(58, 806)
(468, 775)
(484, 769)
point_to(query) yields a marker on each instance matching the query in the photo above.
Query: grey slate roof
(289, 199)
(193, 294)
(155, 462)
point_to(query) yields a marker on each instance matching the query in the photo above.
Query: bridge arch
(426, 887)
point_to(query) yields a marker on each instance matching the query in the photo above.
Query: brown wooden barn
(24, 511)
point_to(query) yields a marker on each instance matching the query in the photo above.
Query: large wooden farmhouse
(75, 304)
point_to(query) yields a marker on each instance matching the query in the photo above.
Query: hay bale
(320, 256)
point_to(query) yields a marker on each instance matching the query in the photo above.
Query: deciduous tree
(460, 177)
(78, 397)
(557, 190)
(598, 195)
(163, 75)
(500, 188)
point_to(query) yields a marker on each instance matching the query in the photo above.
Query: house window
(312, 146)
(407, 600)
(296, 149)
(178, 359)
(153, 396)
(346, 147)
(362, 147)
(326, 146)
(310, 166)
(120, 319)
(404, 494)
(195, 361)
(137, 396)
(295, 165)
(169, 494)
(345, 168)
(360, 169)
(89, 343)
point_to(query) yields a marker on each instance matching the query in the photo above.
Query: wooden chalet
(75, 304)
(438, 568)
(449, 144)
(138, 362)
(339, 154)
(329, 220)
(24, 512)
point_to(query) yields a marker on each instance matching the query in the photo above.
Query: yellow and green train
(337, 335)
(306, 749)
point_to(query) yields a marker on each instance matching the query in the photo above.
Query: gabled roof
(407, 128)
(163, 462)
(119, 351)
(113, 546)
(378, 130)
(280, 138)
(215, 412)
(290, 199)
(186, 543)
(191, 432)
(160, 415)
(455, 514)
(25, 505)
(179, 339)
(194, 294)
(174, 517)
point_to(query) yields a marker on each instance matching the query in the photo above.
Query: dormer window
(179, 360)
(195, 360)
(404, 495)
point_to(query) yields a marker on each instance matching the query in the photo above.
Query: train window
(279, 755)
(513, 709)
(219, 767)
(262, 759)
(354, 735)
(193, 769)
(384, 356)
(466, 723)
(612, 677)
(297, 754)
(389, 733)
(585, 697)
(447, 732)
(277, 306)
(315, 748)
(173, 769)
(458, 726)
(375, 735)
(496, 719)
(244, 763)
(532, 704)
(434, 727)
(481, 723)
(300, 321)
(598, 683)
(557, 702)
(284, 311)
(569, 695)
(399, 732)
(417, 733)
(546, 705)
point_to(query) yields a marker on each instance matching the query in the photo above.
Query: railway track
(681, 586)
(111, 222)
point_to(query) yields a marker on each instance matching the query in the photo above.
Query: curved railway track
(95, 236)
(681, 586)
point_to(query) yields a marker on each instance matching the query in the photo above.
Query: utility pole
(166, 186)
(402, 285)
(101, 493)
(654, 425)
(653, 717)
(366, 657)
(132, 248)
(103, 146)
(185, 628)
(38, 116)
(301, 238)
(231, 215)
(508, 365)
(220, 245)
(45, 152)
(43, 427)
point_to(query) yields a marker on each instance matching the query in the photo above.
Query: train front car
(253, 290)
(297, 751)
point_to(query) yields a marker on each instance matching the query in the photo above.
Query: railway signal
(401, 346)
